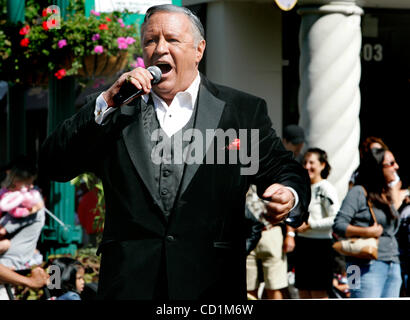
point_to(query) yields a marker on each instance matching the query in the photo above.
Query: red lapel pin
(234, 145)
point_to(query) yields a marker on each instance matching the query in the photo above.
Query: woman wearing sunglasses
(377, 174)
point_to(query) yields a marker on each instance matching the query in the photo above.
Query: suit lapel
(136, 144)
(208, 115)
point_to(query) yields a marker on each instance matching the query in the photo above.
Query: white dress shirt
(171, 118)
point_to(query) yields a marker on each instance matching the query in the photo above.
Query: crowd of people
(319, 271)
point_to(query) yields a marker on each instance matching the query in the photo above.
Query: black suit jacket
(198, 252)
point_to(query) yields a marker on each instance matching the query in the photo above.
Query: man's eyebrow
(173, 33)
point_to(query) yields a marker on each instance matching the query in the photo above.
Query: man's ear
(200, 50)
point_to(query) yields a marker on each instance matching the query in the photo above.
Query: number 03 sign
(286, 5)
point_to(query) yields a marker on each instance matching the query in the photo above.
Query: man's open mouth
(165, 67)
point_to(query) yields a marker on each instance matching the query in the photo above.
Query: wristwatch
(291, 234)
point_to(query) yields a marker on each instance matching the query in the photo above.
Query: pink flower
(138, 63)
(62, 43)
(122, 46)
(122, 43)
(129, 40)
(95, 37)
(121, 22)
(95, 13)
(98, 49)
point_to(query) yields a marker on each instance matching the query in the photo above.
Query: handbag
(363, 248)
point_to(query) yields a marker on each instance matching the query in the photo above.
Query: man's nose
(162, 47)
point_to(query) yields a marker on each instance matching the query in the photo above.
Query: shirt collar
(192, 91)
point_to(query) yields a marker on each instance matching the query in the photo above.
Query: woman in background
(314, 252)
(379, 278)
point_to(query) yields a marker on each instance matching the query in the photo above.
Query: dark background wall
(385, 81)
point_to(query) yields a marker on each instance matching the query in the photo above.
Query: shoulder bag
(363, 248)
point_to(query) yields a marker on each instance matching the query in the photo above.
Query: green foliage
(5, 44)
(41, 43)
(88, 257)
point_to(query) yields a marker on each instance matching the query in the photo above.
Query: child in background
(20, 201)
(72, 279)
(22, 215)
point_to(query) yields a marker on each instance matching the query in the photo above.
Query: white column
(329, 94)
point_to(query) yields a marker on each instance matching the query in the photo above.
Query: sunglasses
(389, 164)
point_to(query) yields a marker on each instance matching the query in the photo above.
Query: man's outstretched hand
(279, 200)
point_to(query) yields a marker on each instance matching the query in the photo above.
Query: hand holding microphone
(131, 85)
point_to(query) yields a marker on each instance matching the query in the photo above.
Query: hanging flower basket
(103, 65)
(98, 45)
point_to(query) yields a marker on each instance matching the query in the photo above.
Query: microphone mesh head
(156, 73)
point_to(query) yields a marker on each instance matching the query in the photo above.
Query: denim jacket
(70, 295)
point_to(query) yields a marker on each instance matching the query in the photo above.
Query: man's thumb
(270, 190)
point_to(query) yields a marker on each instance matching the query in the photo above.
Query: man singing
(174, 231)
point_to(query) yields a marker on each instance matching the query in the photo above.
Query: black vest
(168, 167)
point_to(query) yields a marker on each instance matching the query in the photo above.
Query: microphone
(129, 91)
